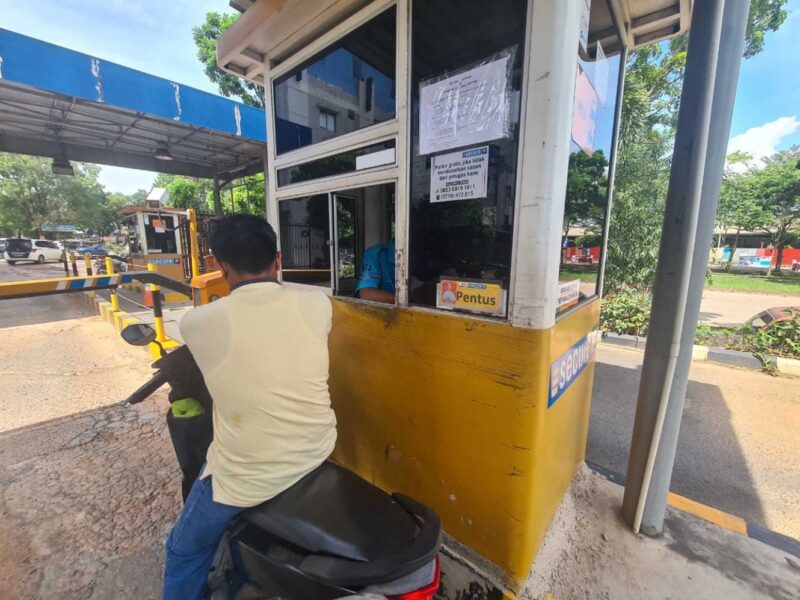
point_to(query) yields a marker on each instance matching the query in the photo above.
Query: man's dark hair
(245, 242)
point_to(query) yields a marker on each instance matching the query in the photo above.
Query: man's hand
(376, 295)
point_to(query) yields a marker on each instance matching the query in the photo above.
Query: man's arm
(369, 282)
(376, 295)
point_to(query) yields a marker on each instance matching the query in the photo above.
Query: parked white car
(22, 249)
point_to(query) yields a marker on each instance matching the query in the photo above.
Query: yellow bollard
(158, 314)
(74, 262)
(113, 295)
(87, 261)
(194, 250)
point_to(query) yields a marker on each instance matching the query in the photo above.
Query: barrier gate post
(194, 250)
(113, 294)
(87, 260)
(158, 313)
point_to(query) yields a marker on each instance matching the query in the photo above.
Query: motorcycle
(332, 535)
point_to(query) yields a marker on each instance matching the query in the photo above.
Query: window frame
(329, 116)
(291, 188)
(612, 168)
(344, 141)
(333, 187)
(526, 66)
(394, 128)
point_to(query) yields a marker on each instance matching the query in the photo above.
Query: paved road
(45, 309)
(731, 309)
(739, 448)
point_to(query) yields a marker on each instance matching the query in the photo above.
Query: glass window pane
(346, 87)
(464, 239)
(160, 234)
(338, 164)
(305, 241)
(587, 190)
(365, 249)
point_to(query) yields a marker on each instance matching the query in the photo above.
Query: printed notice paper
(460, 175)
(466, 109)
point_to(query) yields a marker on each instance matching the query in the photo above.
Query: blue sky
(767, 112)
(155, 36)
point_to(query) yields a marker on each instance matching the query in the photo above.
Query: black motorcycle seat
(334, 511)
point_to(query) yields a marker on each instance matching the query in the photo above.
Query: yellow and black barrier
(63, 285)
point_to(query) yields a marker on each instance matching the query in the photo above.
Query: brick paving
(86, 502)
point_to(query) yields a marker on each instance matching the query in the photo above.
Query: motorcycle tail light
(425, 593)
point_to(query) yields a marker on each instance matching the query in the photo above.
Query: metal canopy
(273, 29)
(85, 109)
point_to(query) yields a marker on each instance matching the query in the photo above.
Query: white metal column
(552, 58)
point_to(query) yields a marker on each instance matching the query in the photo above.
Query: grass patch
(787, 283)
(586, 273)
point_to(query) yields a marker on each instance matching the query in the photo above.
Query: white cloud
(125, 181)
(763, 141)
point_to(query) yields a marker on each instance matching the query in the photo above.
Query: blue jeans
(193, 542)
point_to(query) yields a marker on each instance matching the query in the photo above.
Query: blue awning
(58, 102)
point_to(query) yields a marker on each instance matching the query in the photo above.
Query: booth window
(324, 238)
(305, 235)
(586, 202)
(366, 157)
(466, 77)
(159, 231)
(346, 87)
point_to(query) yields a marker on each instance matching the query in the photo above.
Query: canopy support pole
(685, 243)
(217, 199)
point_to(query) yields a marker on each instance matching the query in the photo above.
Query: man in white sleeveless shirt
(263, 352)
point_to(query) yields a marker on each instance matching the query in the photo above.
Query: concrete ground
(739, 448)
(731, 309)
(589, 552)
(89, 488)
(86, 502)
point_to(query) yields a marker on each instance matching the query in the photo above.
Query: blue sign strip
(567, 367)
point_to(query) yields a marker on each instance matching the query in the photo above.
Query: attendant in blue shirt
(376, 281)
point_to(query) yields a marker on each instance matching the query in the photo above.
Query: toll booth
(466, 139)
(154, 235)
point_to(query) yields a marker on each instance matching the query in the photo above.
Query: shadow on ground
(710, 466)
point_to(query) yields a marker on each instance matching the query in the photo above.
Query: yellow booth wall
(453, 411)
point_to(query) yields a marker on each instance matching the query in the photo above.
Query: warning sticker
(460, 175)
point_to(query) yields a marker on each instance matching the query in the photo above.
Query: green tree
(653, 84)
(32, 196)
(205, 39)
(249, 195)
(187, 192)
(137, 197)
(765, 15)
(587, 183)
(776, 188)
(738, 209)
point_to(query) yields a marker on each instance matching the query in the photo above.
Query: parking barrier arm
(43, 287)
